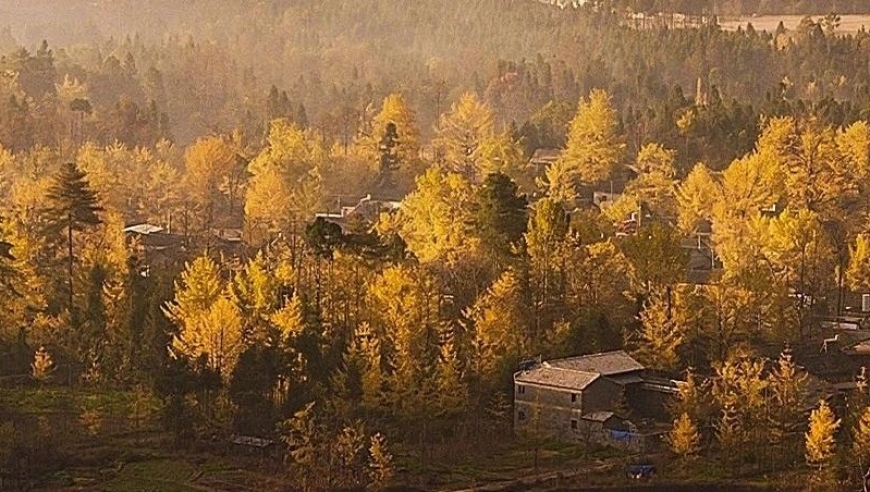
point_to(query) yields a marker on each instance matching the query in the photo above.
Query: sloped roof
(606, 363)
(597, 416)
(556, 377)
(143, 229)
(545, 156)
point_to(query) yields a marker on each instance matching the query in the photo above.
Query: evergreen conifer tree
(73, 207)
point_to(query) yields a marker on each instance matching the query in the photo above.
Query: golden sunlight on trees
(594, 149)
(858, 273)
(42, 366)
(696, 196)
(500, 333)
(210, 324)
(208, 163)
(391, 145)
(861, 444)
(460, 133)
(285, 188)
(663, 323)
(820, 438)
(437, 218)
(684, 439)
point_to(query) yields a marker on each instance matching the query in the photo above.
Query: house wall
(545, 410)
(602, 395)
(647, 403)
(550, 411)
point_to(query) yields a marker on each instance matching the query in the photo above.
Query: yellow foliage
(594, 149)
(684, 438)
(820, 440)
(394, 110)
(861, 440)
(858, 272)
(696, 196)
(437, 218)
(286, 185)
(460, 134)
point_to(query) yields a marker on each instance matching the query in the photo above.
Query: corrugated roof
(560, 378)
(606, 364)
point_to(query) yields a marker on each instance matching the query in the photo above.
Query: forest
(327, 228)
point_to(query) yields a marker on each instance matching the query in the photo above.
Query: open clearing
(848, 23)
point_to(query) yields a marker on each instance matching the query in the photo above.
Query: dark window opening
(573, 397)
(574, 424)
(521, 390)
(521, 415)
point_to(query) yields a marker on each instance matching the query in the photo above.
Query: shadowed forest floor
(84, 439)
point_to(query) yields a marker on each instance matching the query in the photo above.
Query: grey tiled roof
(606, 364)
(560, 378)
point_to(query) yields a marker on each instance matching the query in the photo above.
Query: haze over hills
(210, 63)
(84, 21)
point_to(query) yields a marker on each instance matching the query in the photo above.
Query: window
(521, 390)
(573, 397)
(521, 415)
(574, 424)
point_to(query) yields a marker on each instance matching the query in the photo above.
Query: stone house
(589, 399)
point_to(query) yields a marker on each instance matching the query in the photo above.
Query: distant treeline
(743, 7)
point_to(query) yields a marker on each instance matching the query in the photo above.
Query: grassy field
(848, 24)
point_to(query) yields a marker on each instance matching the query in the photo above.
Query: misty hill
(210, 64)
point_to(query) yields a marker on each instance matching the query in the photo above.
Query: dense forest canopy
(311, 222)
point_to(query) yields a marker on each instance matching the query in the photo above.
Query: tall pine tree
(73, 207)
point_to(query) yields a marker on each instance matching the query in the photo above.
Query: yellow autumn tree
(749, 185)
(381, 468)
(861, 443)
(500, 153)
(663, 322)
(500, 335)
(696, 197)
(739, 390)
(217, 334)
(788, 391)
(208, 163)
(654, 187)
(546, 242)
(286, 184)
(390, 145)
(209, 322)
(460, 133)
(451, 392)
(437, 218)
(255, 290)
(820, 438)
(394, 110)
(799, 254)
(593, 151)
(407, 300)
(858, 272)
(853, 144)
(684, 439)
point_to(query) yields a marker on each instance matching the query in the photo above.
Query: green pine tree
(73, 207)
